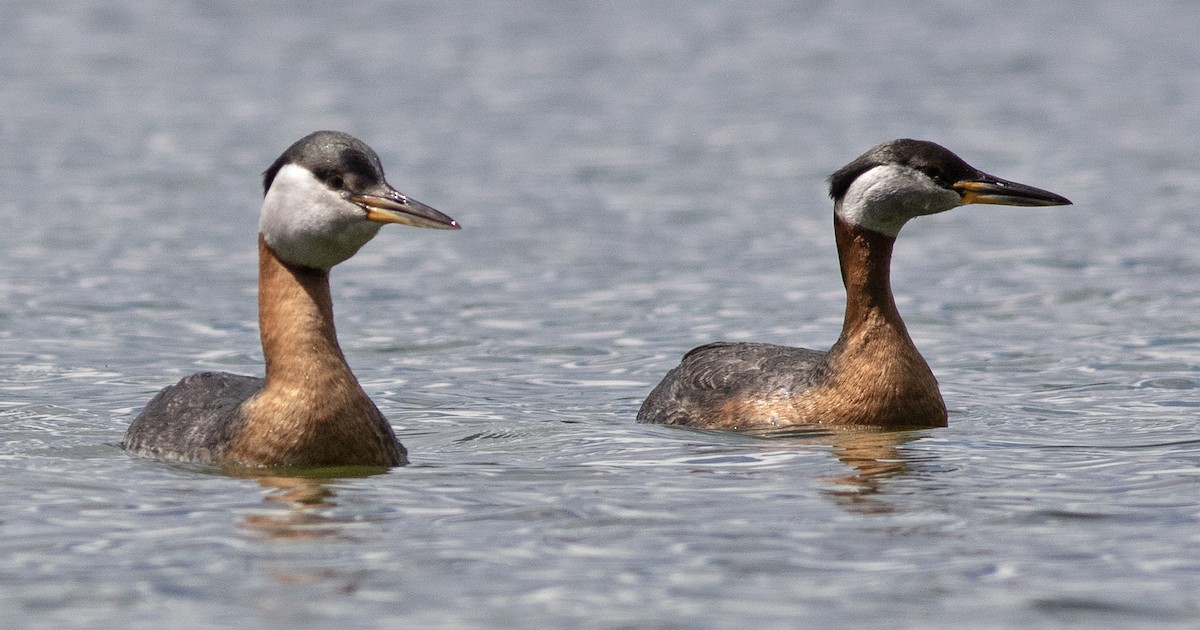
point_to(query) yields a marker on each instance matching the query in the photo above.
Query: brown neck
(312, 411)
(866, 262)
(881, 378)
(295, 320)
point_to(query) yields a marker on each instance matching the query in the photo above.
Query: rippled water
(633, 180)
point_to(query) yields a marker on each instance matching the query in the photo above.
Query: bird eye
(336, 182)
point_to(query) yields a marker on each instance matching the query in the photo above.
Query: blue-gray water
(633, 180)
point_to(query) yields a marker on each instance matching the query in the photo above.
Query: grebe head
(898, 180)
(326, 197)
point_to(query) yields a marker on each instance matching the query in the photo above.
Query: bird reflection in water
(299, 507)
(873, 456)
(297, 512)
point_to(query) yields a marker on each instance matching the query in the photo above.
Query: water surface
(633, 180)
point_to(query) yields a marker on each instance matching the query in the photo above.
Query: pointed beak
(986, 188)
(394, 207)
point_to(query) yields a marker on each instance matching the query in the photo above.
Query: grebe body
(325, 197)
(873, 375)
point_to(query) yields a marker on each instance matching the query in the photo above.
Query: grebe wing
(194, 419)
(713, 373)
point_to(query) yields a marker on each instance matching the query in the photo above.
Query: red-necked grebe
(873, 375)
(325, 197)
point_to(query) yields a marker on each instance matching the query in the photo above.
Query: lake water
(633, 179)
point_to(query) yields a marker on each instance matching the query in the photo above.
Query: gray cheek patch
(884, 198)
(308, 224)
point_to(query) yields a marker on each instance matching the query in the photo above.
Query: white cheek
(308, 224)
(884, 198)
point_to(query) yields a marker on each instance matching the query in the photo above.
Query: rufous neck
(866, 260)
(874, 363)
(295, 319)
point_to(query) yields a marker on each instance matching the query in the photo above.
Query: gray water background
(633, 179)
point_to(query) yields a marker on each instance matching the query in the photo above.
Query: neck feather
(879, 376)
(312, 411)
(866, 262)
(295, 318)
